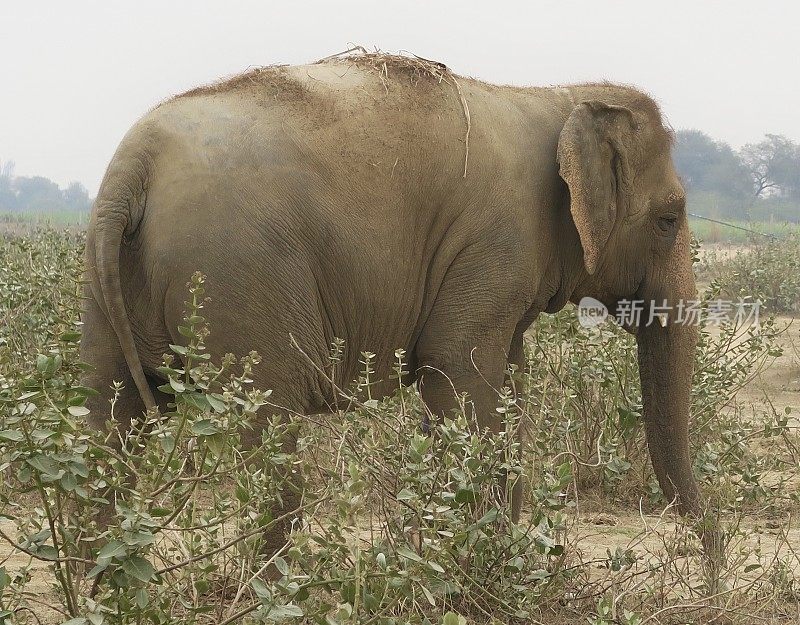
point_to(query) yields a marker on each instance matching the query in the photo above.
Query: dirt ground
(779, 383)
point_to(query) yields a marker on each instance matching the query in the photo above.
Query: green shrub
(157, 542)
(768, 271)
(176, 510)
(397, 527)
(584, 400)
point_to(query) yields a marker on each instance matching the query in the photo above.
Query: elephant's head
(628, 208)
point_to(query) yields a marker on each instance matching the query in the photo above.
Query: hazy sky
(75, 75)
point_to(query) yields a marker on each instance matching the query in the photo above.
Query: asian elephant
(390, 203)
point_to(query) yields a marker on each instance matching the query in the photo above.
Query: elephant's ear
(593, 161)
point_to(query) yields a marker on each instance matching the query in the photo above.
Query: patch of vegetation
(51, 218)
(166, 524)
(743, 232)
(584, 401)
(766, 271)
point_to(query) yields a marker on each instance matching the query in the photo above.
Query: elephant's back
(318, 162)
(341, 85)
(339, 109)
(327, 130)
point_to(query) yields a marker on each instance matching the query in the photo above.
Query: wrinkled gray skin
(330, 201)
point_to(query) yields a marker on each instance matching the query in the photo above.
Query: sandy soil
(40, 577)
(779, 382)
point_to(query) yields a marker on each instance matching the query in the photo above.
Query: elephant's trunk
(666, 355)
(666, 364)
(666, 358)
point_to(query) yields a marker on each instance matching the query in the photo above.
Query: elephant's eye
(667, 223)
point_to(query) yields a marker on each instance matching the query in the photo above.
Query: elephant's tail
(117, 212)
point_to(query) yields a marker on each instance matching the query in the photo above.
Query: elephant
(391, 203)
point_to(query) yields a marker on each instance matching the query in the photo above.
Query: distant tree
(693, 151)
(8, 197)
(774, 166)
(7, 169)
(713, 168)
(76, 197)
(705, 164)
(37, 193)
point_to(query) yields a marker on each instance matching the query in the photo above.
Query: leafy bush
(584, 401)
(397, 527)
(166, 524)
(767, 270)
(156, 535)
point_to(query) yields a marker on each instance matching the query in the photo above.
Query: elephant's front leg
(475, 364)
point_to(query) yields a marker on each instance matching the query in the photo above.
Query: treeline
(760, 182)
(37, 194)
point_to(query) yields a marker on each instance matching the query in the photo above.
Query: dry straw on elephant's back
(416, 67)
